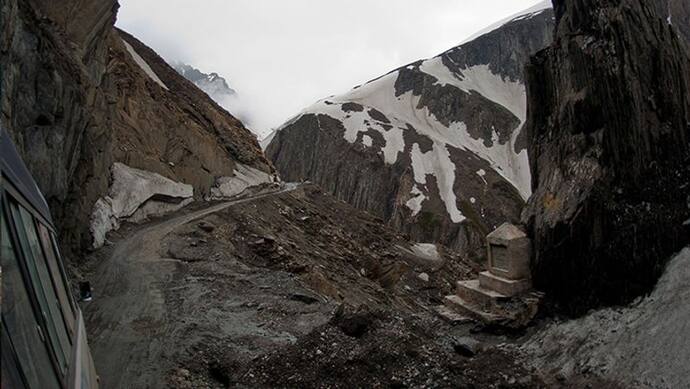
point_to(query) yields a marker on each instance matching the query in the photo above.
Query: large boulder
(609, 126)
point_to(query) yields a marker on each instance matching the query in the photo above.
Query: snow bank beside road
(136, 195)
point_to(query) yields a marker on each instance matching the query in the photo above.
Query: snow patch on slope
(502, 91)
(402, 112)
(380, 94)
(134, 196)
(267, 140)
(510, 94)
(356, 122)
(436, 162)
(435, 67)
(243, 177)
(143, 65)
(415, 202)
(641, 345)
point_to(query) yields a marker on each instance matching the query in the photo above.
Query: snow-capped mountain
(212, 83)
(435, 147)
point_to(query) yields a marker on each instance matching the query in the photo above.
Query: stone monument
(506, 279)
(508, 250)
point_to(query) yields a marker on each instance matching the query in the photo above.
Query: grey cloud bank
(282, 56)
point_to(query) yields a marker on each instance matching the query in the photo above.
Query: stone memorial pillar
(509, 250)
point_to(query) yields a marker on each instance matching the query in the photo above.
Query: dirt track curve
(128, 320)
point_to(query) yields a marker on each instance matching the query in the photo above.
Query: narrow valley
(513, 212)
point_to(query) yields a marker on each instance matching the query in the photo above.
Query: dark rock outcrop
(75, 100)
(435, 147)
(677, 13)
(609, 133)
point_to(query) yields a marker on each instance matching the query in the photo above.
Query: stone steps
(472, 292)
(458, 304)
(504, 286)
(481, 299)
(501, 293)
(451, 315)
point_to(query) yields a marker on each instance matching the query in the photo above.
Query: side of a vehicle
(43, 340)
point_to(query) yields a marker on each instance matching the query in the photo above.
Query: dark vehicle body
(42, 339)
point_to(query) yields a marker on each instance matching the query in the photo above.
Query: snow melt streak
(144, 66)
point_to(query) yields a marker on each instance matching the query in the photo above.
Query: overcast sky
(283, 55)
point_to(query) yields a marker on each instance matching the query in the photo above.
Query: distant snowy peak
(212, 83)
(526, 14)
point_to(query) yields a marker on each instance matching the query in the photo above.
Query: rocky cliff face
(78, 96)
(609, 126)
(435, 148)
(677, 13)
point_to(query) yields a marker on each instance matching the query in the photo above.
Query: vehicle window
(40, 280)
(21, 323)
(70, 292)
(56, 274)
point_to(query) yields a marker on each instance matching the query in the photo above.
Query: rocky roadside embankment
(80, 96)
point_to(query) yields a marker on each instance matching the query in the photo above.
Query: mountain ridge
(442, 136)
(213, 84)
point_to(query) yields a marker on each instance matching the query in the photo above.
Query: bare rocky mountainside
(609, 132)
(79, 96)
(366, 265)
(435, 148)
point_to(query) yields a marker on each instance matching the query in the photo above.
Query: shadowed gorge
(513, 212)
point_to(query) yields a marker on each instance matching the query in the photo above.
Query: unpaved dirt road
(288, 289)
(129, 321)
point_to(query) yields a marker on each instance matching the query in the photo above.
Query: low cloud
(282, 56)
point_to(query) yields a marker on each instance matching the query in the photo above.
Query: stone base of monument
(502, 285)
(472, 302)
(503, 293)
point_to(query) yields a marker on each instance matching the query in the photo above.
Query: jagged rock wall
(677, 13)
(75, 101)
(49, 99)
(609, 126)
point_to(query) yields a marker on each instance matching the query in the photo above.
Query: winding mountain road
(128, 320)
